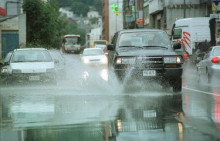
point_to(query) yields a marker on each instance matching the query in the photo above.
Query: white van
(190, 31)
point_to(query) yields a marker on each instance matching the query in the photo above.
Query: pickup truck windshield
(144, 39)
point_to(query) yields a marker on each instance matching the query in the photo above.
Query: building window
(158, 24)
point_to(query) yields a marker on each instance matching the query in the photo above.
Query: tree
(94, 20)
(72, 28)
(79, 8)
(42, 22)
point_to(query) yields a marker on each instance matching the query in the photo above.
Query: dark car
(145, 54)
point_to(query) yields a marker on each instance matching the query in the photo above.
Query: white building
(93, 14)
(66, 12)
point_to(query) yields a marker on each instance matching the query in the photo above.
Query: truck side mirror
(111, 47)
(177, 45)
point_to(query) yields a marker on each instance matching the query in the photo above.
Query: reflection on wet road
(90, 105)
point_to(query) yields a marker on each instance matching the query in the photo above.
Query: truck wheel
(177, 85)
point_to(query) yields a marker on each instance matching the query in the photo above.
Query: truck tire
(177, 85)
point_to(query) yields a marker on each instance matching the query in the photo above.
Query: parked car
(6, 59)
(59, 62)
(210, 64)
(94, 56)
(29, 64)
(144, 54)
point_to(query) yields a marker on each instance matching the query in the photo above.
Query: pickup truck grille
(150, 62)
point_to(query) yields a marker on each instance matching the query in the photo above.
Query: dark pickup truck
(146, 54)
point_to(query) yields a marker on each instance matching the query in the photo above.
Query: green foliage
(45, 27)
(42, 22)
(81, 6)
(72, 28)
(94, 20)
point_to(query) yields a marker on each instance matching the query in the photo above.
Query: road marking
(209, 93)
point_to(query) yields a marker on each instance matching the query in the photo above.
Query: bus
(71, 44)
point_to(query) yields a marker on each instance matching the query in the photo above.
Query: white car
(30, 64)
(94, 56)
(209, 66)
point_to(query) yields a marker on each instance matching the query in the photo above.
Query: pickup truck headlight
(125, 60)
(85, 61)
(172, 60)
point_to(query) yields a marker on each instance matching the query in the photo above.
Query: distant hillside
(81, 7)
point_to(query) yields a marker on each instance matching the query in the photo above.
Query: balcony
(155, 6)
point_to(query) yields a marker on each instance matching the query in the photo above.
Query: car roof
(216, 47)
(100, 40)
(71, 35)
(92, 49)
(140, 30)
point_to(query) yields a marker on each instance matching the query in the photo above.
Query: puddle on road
(85, 106)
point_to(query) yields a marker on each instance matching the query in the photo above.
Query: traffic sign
(140, 21)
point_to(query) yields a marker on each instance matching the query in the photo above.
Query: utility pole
(135, 13)
(143, 14)
(184, 4)
(116, 26)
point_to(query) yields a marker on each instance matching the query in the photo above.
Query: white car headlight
(86, 61)
(104, 60)
(172, 60)
(126, 60)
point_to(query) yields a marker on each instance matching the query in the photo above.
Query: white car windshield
(92, 52)
(31, 56)
(144, 39)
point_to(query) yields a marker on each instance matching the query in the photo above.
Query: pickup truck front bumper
(166, 74)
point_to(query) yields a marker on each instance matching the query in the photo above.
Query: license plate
(149, 114)
(34, 78)
(149, 73)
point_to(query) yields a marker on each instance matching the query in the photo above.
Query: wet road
(90, 105)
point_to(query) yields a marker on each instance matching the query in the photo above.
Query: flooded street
(90, 105)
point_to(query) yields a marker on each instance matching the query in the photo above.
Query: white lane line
(191, 89)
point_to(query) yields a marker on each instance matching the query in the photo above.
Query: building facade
(93, 14)
(66, 11)
(161, 14)
(12, 26)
